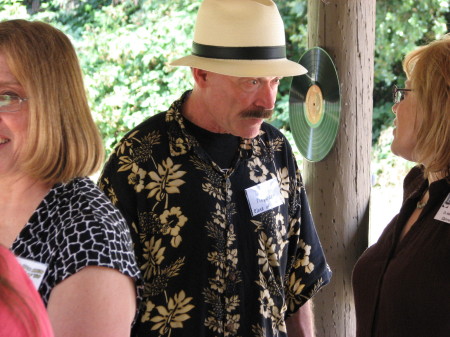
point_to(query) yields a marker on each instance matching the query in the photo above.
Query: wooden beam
(339, 185)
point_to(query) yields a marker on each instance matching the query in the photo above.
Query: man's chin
(252, 128)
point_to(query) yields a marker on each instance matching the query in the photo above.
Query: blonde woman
(67, 234)
(401, 283)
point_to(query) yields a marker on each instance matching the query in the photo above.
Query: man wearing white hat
(219, 216)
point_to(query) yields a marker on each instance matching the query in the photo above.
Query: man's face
(237, 105)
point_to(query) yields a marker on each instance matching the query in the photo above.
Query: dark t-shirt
(221, 147)
(402, 289)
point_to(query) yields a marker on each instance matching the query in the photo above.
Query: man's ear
(200, 76)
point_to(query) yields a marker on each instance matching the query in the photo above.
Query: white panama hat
(243, 38)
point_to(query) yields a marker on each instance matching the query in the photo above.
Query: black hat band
(239, 53)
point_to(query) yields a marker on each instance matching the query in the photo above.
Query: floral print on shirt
(210, 267)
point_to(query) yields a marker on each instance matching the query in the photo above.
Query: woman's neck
(435, 176)
(19, 198)
(13, 187)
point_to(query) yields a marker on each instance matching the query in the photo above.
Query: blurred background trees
(125, 46)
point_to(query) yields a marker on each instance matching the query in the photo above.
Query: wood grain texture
(339, 186)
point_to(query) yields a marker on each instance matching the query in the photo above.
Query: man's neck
(195, 111)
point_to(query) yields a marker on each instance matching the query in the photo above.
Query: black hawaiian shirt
(214, 262)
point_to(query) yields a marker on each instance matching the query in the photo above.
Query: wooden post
(339, 186)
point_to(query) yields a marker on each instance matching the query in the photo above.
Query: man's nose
(266, 96)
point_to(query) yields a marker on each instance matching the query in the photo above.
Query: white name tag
(264, 196)
(34, 269)
(444, 212)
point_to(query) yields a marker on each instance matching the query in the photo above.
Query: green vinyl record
(315, 105)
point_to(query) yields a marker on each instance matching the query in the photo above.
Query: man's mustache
(257, 113)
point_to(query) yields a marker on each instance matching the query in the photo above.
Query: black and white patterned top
(76, 226)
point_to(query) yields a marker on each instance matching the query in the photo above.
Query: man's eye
(276, 81)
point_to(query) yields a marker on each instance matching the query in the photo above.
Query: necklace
(421, 204)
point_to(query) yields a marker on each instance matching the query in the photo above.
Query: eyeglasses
(399, 94)
(11, 103)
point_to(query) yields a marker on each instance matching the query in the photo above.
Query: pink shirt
(14, 320)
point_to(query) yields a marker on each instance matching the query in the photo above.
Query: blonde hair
(428, 69)
(63, 141)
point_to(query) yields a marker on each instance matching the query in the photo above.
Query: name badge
(34, 269)
(444, 212)
(264, 196)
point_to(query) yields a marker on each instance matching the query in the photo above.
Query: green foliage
(128, 74)
(294, 15)
(383, 117)
(12, 9)
(388, 169)
(401, 26)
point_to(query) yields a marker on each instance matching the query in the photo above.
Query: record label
(315, 105)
